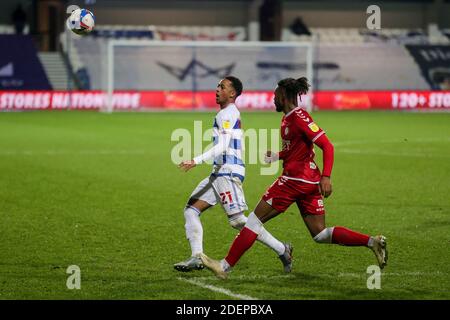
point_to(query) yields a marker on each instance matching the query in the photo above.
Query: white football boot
(380, 249)
(192, 263)
(215, 266)
(286, 257)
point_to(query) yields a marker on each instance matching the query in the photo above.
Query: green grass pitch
(100, 191)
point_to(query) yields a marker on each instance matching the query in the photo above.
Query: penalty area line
(218, 289)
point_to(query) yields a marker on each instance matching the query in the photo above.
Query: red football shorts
(283, 192)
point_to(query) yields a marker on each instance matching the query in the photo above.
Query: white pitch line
(218, 289)
(252, 277)
(328, 274)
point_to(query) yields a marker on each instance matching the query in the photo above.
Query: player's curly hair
(294, 87)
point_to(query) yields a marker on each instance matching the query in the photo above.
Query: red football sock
(347, 237)
(245, 239)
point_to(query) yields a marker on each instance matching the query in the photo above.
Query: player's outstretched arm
(328, 158)
(222, 144)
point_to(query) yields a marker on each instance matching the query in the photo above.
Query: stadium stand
(55, 69)
(210, 33)
(9, 29)
(85, 57)
(381, 54)
(367, 67)
(355, 35)
(346, 58)
(20, 66)
(128, 32)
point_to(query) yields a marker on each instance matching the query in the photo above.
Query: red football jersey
(298, 133)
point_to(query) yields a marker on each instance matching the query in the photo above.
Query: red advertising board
(250, 100)
(398, 100)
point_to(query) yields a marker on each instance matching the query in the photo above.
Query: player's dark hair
(237, 84)
(294, 87)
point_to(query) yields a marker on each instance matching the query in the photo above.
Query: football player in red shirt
(301, 182)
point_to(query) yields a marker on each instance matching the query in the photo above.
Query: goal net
(194, 67)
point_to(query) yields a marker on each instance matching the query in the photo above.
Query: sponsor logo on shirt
(282, 180)
(285, 144)
(302, 116)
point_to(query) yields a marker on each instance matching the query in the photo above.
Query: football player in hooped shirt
(224, 184)
(301, 182)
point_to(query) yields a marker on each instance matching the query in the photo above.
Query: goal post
(196, 65)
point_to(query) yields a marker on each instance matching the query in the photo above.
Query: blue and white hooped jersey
(228, 121)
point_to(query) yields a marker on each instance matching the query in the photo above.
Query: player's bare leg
(264, 212)
(246, 238)
(345, 237)
(194, 233)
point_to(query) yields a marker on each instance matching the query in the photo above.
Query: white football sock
(269, 240)
(254, 224)
(225, 265)
(324, 236)
(194, 230)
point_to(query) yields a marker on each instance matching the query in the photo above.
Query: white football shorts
(224, 189)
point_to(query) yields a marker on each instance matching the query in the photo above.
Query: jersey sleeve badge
(226, 124)
(314, 127)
